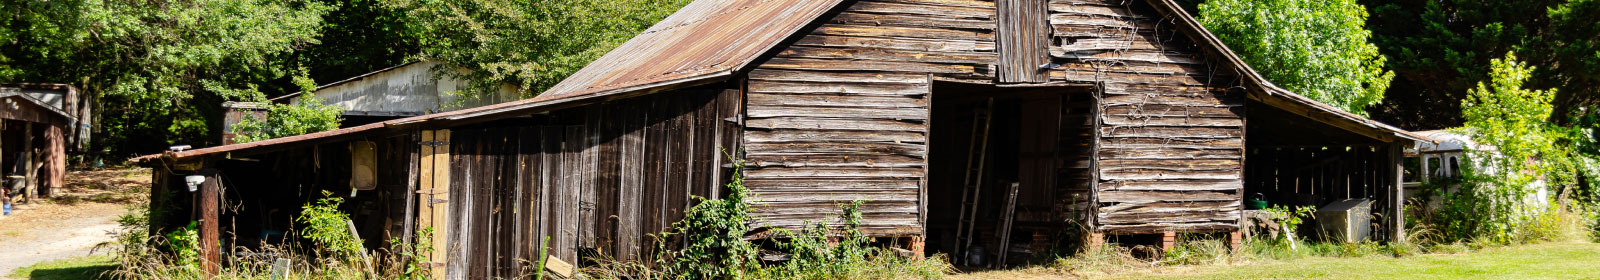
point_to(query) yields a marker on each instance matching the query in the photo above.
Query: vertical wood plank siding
(595, 180)
(1024, 42)
(842, 114)
(1170, 136)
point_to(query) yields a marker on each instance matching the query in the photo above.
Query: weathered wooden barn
(39, 123)
(959, 123)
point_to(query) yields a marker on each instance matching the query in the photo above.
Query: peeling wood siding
(1170, 130)
(842, 114)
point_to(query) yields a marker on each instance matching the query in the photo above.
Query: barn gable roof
(710, 40)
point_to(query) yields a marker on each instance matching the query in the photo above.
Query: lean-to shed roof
(711, 40)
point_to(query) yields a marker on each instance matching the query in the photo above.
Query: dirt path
(71, 224)
(49, 231)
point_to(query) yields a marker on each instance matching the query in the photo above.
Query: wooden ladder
(972, 187)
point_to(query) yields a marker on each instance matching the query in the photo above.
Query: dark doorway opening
(988, 142)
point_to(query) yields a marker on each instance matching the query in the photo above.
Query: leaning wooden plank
(915, 44)
(836, 148)
(865, 65)
(841, 173)
(887, 55)
(761, 111)
(834, 124)
(812, 135)
(837, 77)
(837, 100)
(918, 9)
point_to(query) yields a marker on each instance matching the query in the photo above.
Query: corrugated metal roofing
(704, 38)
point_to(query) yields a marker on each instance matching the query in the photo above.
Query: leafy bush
(307, 116)
(337, 255)
(1496, 201)
(1317, 48)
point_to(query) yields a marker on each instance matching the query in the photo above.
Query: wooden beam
(1320, 116)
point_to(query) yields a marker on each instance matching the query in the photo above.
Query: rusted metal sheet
(705, 37)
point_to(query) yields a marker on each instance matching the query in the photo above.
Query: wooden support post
(210, 254)
(1168, 240)
(1397, 217)
(29, 173)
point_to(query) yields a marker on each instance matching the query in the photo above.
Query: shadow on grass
(81, 272)
(90, 267)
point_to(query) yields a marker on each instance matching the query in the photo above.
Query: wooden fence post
(210, 253)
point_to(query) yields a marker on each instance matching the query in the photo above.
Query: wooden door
(433, 198)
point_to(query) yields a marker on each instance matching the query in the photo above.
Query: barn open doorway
(1002, 156)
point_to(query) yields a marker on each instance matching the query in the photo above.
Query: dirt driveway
(71, 224)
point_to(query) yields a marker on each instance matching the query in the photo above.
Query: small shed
(39, 123)
(959, 123)
(406, 90)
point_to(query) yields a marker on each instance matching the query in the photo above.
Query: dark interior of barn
(1292, 161)
(12, 140)
(1024, 150)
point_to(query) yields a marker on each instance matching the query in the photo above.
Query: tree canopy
(1316, 48)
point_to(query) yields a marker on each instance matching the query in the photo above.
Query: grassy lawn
(1565, 260)
(87, 267)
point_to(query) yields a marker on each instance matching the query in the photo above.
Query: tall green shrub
(1494, 201)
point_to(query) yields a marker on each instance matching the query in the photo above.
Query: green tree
(157, 68)
(533, 44)
(1571, 57)
(1316, 48)
(1439, 49)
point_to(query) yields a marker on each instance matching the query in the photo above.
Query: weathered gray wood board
(1169, 130)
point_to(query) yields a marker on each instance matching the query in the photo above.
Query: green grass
(86, 267)
(1563, 260)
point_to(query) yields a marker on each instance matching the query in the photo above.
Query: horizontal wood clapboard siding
(1170, 131)
(842, 114)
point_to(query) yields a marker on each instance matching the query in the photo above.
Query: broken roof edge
(70, 90)
(1168, 8)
